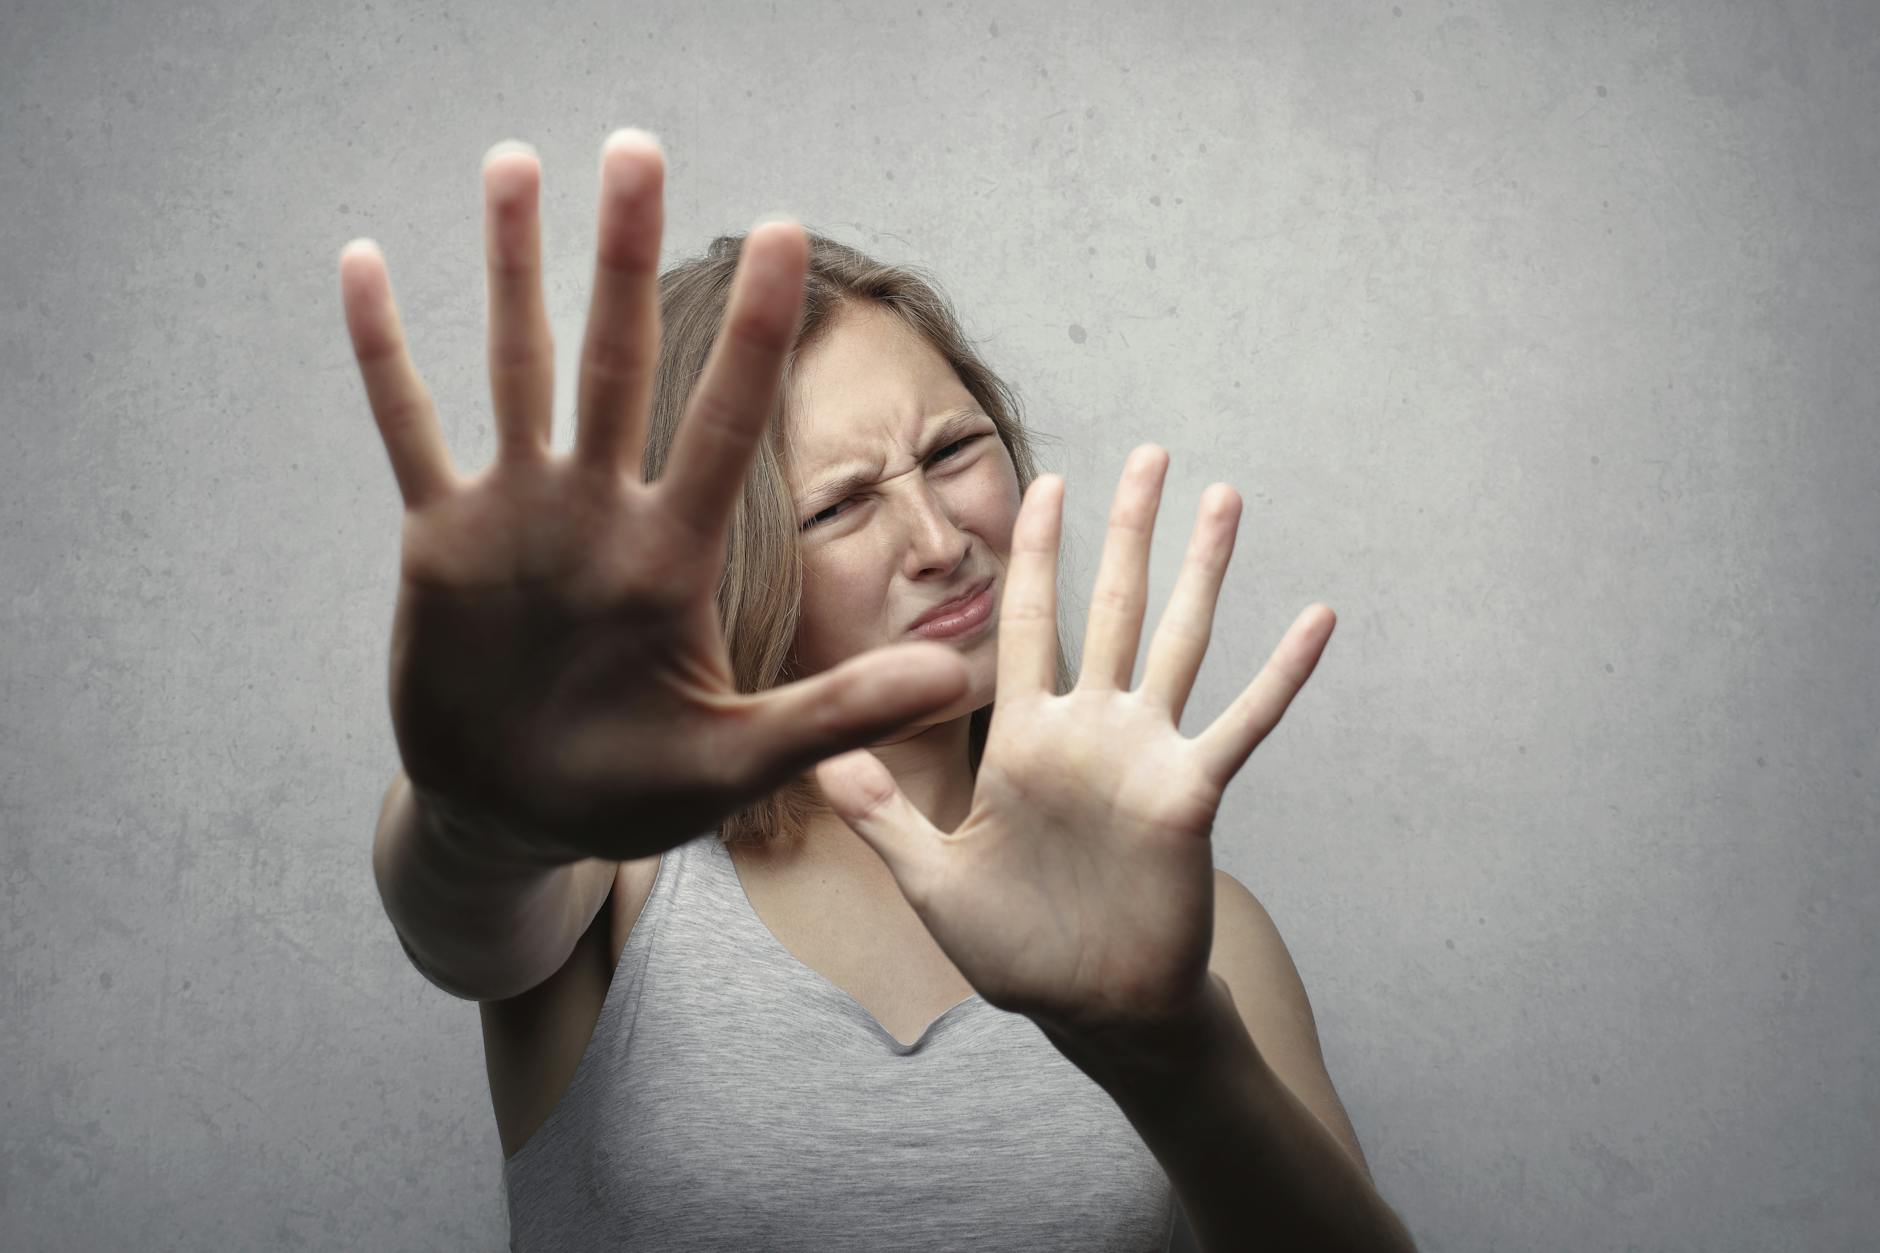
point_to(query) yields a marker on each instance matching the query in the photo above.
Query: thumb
(862, 700)
(864, 794)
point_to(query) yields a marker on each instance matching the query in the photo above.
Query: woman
(780, 938)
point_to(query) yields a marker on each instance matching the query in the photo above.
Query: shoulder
(1239, 911)
(1252, 959)
(1249, 952)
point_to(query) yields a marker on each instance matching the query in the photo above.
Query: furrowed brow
(946, 426)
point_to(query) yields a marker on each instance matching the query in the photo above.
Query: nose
(934, 541)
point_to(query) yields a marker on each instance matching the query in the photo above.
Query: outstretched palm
(1079, 890)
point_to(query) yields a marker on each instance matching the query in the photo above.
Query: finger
(401, 404)
(737, 389)
(1028, 609)
(1225, 746)
(621, 349)
(865, 699)
(1122, 587)
(1181, 637)
(522, 351)
(865, 796)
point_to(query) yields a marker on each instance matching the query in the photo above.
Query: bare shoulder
(533, 1043)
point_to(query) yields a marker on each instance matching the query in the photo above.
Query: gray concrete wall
(1538, 338)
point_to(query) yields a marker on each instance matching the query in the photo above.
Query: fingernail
(502, 146)
(634, 135)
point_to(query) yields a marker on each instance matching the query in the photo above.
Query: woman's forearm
(480, 915)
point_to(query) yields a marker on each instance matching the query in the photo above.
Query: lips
(952, 606)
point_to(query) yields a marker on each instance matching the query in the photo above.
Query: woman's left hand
(1079, 891)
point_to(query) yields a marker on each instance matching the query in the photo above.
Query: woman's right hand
(557, 667)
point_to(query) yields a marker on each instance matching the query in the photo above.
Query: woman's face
(928, 516)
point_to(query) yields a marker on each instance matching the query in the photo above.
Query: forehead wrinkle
(840, 480)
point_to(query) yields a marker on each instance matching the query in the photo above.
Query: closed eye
(958, 443)
(939, 455)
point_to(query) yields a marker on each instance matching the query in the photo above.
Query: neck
(931, 766)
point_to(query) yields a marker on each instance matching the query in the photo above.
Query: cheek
(990, 501)
(842, 595)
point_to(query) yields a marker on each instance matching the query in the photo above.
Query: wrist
(475, 834)
(1161, 1053)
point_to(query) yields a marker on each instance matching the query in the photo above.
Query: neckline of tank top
(832, 991)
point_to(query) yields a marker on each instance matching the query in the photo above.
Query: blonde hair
(760, 589)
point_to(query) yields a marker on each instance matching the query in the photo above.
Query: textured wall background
(1530, 332)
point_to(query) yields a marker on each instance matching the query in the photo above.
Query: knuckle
(617, 359)
(375, 344)
(400, 415)
(756, 333)
(624, 264)
(1113, 599)
(511, 262)
(716, 414)
(521, 352)
(1184, 629)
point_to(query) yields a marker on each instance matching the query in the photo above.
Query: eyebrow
(949, 424)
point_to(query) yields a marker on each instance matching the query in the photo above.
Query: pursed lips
(951, 606)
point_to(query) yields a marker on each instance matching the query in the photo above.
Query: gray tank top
(732, 1098)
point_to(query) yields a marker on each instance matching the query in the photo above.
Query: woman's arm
(481, 914)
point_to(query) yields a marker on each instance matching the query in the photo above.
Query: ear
(866, 797)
